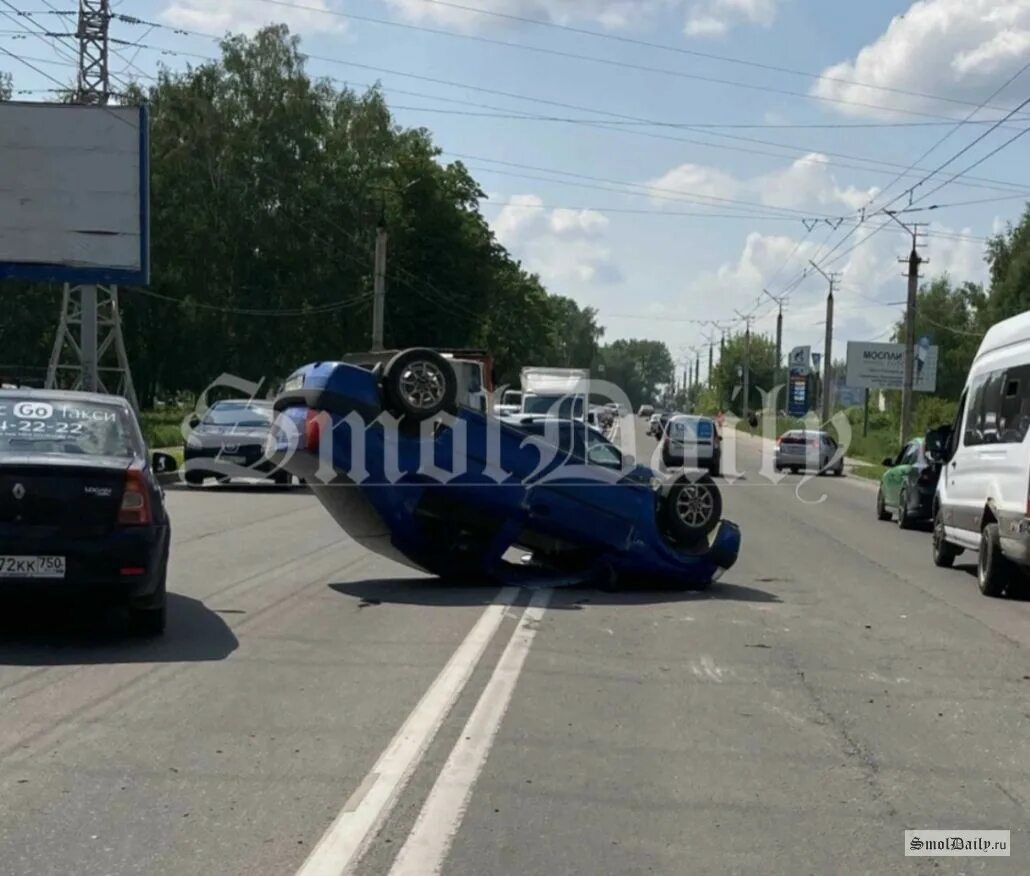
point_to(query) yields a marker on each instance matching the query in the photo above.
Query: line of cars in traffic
(971, 478)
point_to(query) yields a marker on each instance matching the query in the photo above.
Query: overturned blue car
(414, 476)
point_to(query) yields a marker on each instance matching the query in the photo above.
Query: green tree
(951, 317)
(638, 367)
(727, 384)
(1008, 255)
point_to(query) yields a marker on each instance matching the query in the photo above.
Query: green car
(907, 487)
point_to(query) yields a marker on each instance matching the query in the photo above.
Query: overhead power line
(614, 37)
(608, 123)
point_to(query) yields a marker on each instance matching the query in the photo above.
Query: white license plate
(31, 567)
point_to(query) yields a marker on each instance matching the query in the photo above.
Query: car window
(1014, 412)
(972, 434)
(73, 427)
(238, 414)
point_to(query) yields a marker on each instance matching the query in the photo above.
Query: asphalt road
(314, 708)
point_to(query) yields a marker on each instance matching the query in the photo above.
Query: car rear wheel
(692, 509)
(993, 570)
(149, 621)
(944, 552)
(419, 384)
(881, 507)
(904, 521)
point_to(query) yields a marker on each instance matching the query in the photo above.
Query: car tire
(881, 507)
(692, 509)
(838, 472)
(149, 622)
(195, 478)
(944, 552)
(419, 384)
(993, 570)
(904, 521)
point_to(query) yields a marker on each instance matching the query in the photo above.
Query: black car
(81, 510)
(228, 441)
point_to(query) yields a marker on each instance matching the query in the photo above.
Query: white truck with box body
(560, 392)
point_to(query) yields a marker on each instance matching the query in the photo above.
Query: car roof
(69, 395)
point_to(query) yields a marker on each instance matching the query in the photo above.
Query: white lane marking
(426, 848)
(347, 837)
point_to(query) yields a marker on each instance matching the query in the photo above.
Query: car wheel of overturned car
(419, 384)
(693, 508)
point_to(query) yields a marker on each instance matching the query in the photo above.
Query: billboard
(799, 358)
(882, 366)
(75, 193)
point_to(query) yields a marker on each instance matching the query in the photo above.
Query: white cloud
(219, 16)
(696, 180)
(560, 245)
(707, 18)
(807, 183)
(611, 14)
(962, 49)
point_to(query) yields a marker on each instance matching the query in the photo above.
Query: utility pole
(747, 361)
(379, 286)
(914, 261)
(779, 329)
(90, 308)
(828, 344)
(697, 368)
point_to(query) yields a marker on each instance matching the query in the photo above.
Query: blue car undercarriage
(412, 476)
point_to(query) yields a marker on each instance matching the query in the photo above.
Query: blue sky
(653, 222)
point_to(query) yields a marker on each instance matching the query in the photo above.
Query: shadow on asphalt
(1018, 595)
(436, 592)
(32, 634)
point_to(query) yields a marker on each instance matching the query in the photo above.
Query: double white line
(426, 847)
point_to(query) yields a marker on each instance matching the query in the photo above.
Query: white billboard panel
(882, 366)
(74, 193)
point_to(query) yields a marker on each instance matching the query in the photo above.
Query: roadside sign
(799, 358)
(797, 392)
(882, 366)
(816, 359)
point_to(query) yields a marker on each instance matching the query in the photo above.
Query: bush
(163, 427)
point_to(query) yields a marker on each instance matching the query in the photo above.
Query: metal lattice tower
(90, 329)
(94, 84)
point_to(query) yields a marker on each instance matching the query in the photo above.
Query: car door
(895, 476)
(971, 472)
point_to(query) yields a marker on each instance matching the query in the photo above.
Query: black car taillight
(135, 507)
